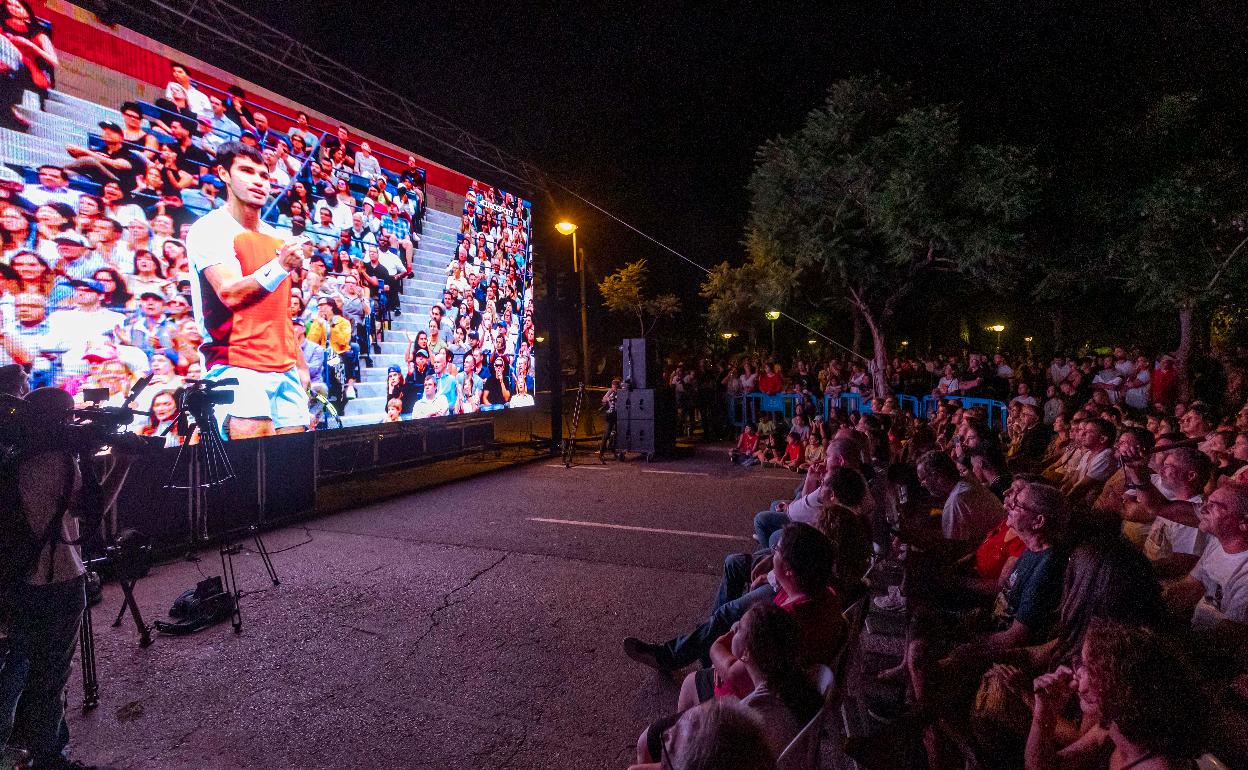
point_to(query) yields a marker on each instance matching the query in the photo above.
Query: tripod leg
(127, 590)
(90, 678)
(264, 556)
(231, 587)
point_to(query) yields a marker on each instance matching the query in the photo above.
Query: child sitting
(813, 454)
(743, 452)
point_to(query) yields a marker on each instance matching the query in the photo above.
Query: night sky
(654, 110)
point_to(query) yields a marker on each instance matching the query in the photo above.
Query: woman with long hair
(186, 341)
(784, 699)
(116, 295)
(90, 208)
(1141, 702)
(148, 275)
(176, 262)
(33, 273)
(1106, 579)
(16, 232)
(163, 411)
(51, 219)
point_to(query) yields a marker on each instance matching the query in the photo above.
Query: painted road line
(654, 530)
(582, 467)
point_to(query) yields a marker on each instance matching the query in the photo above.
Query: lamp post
(998, 328)
(1028, 340)
(773, 316)
(567, 228)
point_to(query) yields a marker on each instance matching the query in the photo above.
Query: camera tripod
(205, 465)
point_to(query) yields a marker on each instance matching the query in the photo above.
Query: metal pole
(773, 338)
(584, 321)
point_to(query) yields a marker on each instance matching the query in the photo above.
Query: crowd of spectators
(1076, 577)
(94, 284)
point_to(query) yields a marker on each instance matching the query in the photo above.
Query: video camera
(196, 398)
(27, 427)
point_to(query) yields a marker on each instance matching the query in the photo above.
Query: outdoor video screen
(340, 281)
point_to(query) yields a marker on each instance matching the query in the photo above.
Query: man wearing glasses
(1215, 594)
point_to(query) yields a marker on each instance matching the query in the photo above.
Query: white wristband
(271, 275)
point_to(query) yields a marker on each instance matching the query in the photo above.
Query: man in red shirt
(240, 276)
(1164, 383)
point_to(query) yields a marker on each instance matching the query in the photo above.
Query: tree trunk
(856, 346)
(880, 357)
(1183, 356)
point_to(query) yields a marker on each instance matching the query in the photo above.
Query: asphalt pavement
(476, 624)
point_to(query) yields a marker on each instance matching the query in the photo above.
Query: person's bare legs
(688, 693)
(249, 427)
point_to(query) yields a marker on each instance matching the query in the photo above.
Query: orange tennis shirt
(258, 337)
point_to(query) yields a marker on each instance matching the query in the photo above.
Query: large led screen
(162, 218)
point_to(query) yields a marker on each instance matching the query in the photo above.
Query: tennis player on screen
(240, 278)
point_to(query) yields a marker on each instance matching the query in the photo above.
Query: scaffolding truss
(221, 33)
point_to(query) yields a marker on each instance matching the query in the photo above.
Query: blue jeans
(767, 527)
(732, 600)
(35, 668)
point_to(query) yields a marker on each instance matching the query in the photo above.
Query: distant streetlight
(773, 316)
(540, 340)
(1028, 340)
(567, 228)
(998, 328)
(728, 335)
(812, 342)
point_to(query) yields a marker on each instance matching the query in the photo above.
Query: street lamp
(540, 340)
(567, 228)
(812, 342)
(1028, 340)
(998, 328)
(728, 335)
(773, 316)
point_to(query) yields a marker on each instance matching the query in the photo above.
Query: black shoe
(376, 351)
(368, 361)
(644, 653)
(398, 312)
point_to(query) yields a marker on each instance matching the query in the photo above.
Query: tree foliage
(1180, 238)
(870, 197)
(625, 291)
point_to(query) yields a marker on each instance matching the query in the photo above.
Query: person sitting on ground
(804, 561)
(791, 457)
(1131, 684)
(747, 442)
(721, 734)
(813, 454)
(765, 644)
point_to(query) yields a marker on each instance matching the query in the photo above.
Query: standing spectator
(195, 99)
(366, 164)
(770, 382)
(1164, 383)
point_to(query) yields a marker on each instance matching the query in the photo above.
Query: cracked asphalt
(443, 629)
